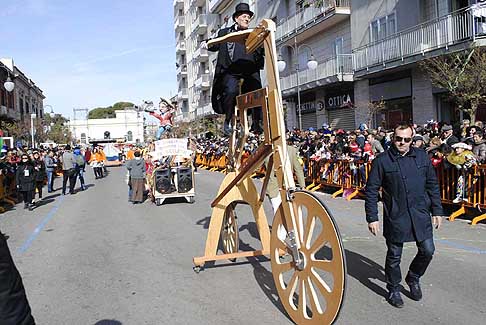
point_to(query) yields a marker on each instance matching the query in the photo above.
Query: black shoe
(31, 207)
(415, 290)
(395, 299)
(26, 206)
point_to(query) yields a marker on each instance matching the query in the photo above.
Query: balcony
(446, 34)
(201, 55)
(201, 24)
(179, 25)
(182, 94)
(197, 3)
(181, 71)
(312, 20)
(204, 108)
(180, 47)
(216, 5)
(203, 82)
(178, 4)
(333, 70)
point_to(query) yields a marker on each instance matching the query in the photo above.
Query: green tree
(463, 75)
(108, 112)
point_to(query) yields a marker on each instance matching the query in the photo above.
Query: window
(129, 136)
(383, 27)
(83, 137)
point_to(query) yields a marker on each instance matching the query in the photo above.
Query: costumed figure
(234, 64)
(165, 117)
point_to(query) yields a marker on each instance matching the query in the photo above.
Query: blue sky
(91, 53)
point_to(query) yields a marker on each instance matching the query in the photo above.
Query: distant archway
(107, 134)
(83, 137)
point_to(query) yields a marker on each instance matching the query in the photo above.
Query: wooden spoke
(229, 231)
(318, 302)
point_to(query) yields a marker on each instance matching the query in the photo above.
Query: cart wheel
(197, 269)
(192, 199)
(313, 295)
(157, 202)
(229, 232)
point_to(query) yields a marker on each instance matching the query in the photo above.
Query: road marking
(39, 228)
(462, 247)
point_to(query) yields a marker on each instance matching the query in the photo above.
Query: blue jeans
(50, 180)
(162, 130)
(417, 268)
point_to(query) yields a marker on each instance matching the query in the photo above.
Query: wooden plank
(247, 169)
(256, 98)
(199, 261)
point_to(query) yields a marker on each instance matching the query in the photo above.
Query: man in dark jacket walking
(410, 194)
(232, 65)
(14, 307)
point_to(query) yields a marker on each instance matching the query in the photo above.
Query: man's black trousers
(14, 307)
(232, 90)
(71, 176)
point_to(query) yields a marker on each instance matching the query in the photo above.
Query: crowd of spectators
(461, 147)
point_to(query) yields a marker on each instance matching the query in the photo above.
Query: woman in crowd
(40, 174)
(24, 179)
(80, 166)
(97, 163)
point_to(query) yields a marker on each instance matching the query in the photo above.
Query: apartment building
(367, 51)
(26, 98)
(193, 24)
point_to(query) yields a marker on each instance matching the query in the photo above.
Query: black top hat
(242, 8)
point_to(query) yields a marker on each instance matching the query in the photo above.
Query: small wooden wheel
(313, 295)
(229, 231)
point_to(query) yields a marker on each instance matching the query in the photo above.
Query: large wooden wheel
(313, 295)
(229, 231)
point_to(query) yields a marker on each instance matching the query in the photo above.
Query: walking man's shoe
(395, 299)
(415, 290)
(227, 129)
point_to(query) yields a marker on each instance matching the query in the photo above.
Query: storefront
(396, 91)
(339, 104)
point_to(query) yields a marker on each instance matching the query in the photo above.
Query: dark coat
(410, 194)
(25, 183)
(40, 170)
(14, 307)
(223, 65)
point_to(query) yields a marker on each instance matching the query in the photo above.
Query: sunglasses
(400, 139)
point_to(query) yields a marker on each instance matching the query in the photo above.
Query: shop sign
(338, 101)
(311, 107)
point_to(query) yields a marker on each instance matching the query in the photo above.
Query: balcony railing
(203, 81)
(179, 23)
(182, 69)
(180, 47)
(307, 16)
(333, 67)
(441, 32)
(204, 108)
(201, 54)
(201, 23)
(178, 4)
(182, 94)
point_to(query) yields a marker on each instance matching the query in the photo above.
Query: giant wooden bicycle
(306, 252)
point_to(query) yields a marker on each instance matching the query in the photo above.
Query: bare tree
(373, 109)
(463, 74)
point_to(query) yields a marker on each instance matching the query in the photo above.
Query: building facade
(26, 98)
(367, 51)
(127, 126)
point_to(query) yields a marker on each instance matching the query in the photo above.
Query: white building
(126, 126)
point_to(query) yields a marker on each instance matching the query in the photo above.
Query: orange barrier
(349, 179)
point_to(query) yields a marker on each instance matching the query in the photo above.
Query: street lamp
(32, 117)
(51, 113)
(311, 64)
(9, 85)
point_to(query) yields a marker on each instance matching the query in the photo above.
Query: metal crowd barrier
(348, 178)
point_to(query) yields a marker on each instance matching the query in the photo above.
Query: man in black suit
(232, 65)
(14, 307)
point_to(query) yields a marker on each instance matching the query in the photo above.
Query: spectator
(463, 159)
(40, 174)
(137, 170)
(376, 146)
(50, 164)
(68, 170)
(479, 147)
(25, 179)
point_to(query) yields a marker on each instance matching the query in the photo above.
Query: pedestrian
(50, 164)
(68, 170)
(233, 64)
(14, 306)
(80, 166)
(25, 180)
(412, 206)
(136, 168)
(40, 174)
(96, 162)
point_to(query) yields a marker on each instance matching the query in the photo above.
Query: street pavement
(93, 258)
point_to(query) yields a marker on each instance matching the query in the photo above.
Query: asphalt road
(93, 258)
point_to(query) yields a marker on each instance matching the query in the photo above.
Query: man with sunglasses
(411, 207)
